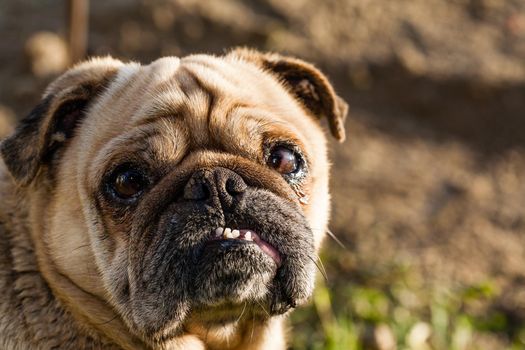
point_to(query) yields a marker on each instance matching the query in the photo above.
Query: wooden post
(78, 13)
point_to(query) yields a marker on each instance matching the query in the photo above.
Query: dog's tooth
(228, 232)
(248, 236)
(236, 233)
(219, 231)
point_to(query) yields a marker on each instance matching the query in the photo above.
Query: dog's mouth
(227, 235)
(203, 262)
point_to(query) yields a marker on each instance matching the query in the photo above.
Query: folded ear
(52, 122)
(306, 83)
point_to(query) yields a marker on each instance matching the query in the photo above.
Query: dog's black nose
(217, 183)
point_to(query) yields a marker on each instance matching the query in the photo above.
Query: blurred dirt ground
(429, 190)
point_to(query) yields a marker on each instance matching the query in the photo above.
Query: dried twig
(78, 13)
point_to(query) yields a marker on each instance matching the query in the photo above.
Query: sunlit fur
(60, 274)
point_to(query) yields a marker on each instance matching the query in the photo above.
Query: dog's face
(187, 192)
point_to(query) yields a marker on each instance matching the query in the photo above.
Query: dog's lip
(247, 235)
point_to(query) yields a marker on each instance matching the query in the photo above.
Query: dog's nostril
(229, 185)
(202, 191)
(235, 186)
(196, 189)
(220, 183)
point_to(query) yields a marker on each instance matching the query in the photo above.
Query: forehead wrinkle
(200, 103)
(230, 120)
(170, 143)
(282, 124)
(120, 148)
(224, 99)
(213, 79)
(226, 121)
(175, 96)
(148, 84)
(263, 125)
(260, 120)
(234, 73)
(168, 104)
(219, 78)
(246, 82)
(195, 92)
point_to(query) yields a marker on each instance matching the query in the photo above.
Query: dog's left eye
(284, 160)
(128, 183)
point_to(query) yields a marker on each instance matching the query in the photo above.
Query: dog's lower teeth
(228, 233)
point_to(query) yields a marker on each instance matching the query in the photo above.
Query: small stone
(384, 338)
(379, 337)
(418, 336)
(48, 54)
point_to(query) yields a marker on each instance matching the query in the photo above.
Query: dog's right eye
(127, 183)
(284, 160)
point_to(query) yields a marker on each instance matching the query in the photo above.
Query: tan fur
(51, 266)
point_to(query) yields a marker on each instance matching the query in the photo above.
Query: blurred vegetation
(402, 314)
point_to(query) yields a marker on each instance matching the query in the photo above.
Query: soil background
(429, 189)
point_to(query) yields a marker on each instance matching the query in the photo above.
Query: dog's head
(188, 191)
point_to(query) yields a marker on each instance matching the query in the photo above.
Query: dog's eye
(128, 183)
(284, 160)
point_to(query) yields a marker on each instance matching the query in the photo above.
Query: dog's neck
(32, 316)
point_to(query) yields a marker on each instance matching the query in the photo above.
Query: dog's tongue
(265, 246)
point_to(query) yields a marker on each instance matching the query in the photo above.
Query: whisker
(106, 322)
(320, 267)
(262, 307)
(332, 235)
(337, 240)
(242, 312)
(253, 327)
(82, 246)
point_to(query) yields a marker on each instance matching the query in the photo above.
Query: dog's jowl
(175, 205)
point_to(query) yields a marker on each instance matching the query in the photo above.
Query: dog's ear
(306, 83)
(52, 122)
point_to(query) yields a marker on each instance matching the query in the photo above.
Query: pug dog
(175, 205)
